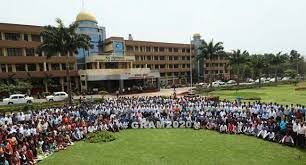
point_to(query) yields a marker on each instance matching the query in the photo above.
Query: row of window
(216, 72)
(176, 74)
(30, 67)
(163, 66)
(130, 48)
(18, 52)
(156, 58)
(18, 37)
(215, 65)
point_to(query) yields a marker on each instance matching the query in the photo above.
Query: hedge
(100, 137)
(27, 107)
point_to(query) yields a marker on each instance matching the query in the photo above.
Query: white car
(57, 96)
(231, 83)
(286, 78)
(18, 99)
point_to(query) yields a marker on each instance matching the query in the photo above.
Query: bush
(103, 93)
(252, 98)
(28, 107)
(300, 88)
(100, 137)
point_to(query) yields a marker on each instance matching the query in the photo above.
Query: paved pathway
(162, 92)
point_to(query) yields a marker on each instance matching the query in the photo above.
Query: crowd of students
(28, 137)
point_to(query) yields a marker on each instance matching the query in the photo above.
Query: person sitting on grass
(287, 140)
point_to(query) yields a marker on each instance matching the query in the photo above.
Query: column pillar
(62, 83)
(121, 84)
(77, 84)
(158, 83)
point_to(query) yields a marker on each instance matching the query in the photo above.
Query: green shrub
(252, 98)
(300, 88)
(103, 93)
(100, 137)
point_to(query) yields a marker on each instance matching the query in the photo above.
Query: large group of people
(26, 137)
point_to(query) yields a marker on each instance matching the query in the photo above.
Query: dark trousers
(301, 140)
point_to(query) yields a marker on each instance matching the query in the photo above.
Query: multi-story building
(19, 59)
(213, 69)
(111, 64)
(172, 60)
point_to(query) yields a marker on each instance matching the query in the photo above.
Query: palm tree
(295, 59)
(210, 51)
(236, 60)
(258, 64)
(276, 63)
(65, 41)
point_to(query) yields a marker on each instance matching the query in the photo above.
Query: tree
(258, 64)
(236, 60)
(295, 59)
(210, 51)
(65, 41)
(277, 62)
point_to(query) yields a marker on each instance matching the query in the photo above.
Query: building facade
(19, 59)
(111, 64)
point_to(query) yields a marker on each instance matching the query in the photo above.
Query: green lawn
(178, 147)
(282, 94)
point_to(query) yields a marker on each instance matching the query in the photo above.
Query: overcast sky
(255, 25)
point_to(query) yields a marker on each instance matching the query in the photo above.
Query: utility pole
(190, 63)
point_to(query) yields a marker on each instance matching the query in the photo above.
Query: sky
(259, 26)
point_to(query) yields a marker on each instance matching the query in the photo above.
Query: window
(183, 50)
(162, 74)
(162, 66)
(14, 51)
(170, 50)
(161, 49)
(170, 57)
(170, 66)
(26, 37)
(188, 65)
(149, 58)
(183, 66)
(30, 52)
(162, 58)
(136, 48)
(175, 49)
(175, 58)
(130, 48)
(155, 57)
(188, 50)
(83, 83)
(35, 37)
(149, 66)
(12, 36)
(188, 58)
(20, 67)
(156, 67)
(2, 68)
(31, 67)
(55, 66)
(63, 66)
(169, 74)
(148, 49)
(176, 66)
(155, 49)
(9, 68)
(41, 67)
(141, 49)
(183, 58)
(1, 52)
(137, 58)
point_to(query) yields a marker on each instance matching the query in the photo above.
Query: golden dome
(86, 16)
(196, 34)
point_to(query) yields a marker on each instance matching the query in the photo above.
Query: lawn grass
(282, 94)
(178, 147)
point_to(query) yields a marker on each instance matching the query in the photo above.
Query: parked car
(286, 78)
(57, 96)
(18, 99)
(202, 85)
(217, 83)
(231, 83)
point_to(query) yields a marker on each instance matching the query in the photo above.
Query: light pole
(190, 63)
